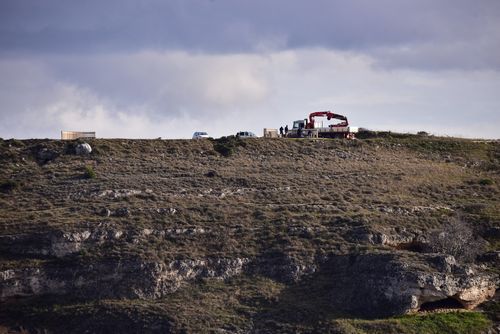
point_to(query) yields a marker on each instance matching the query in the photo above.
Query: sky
(148, 69)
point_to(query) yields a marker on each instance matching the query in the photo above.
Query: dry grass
(295, 196)
(262, 186)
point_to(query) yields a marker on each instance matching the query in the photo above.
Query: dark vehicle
(246, 134)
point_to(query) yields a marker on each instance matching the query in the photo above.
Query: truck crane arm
(329, 115)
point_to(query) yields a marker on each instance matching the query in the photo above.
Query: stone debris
(121, 212)
(118, 193)
(412, 210)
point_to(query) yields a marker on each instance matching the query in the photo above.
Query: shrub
(456, 238)
(211, 173)
(226, 146)
(70, 147)
(486, 182)
(224, 149)
(89, 173)
(8, 186)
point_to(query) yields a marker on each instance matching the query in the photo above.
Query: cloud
(128, 95)
(168, 80)
(171, 94)
(425, 34)
(168, 68)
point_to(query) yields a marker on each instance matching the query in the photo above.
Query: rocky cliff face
(172, 236)
(378, 284)
(388, 284)
(113, 278)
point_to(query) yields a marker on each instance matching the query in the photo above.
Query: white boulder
(83, 149)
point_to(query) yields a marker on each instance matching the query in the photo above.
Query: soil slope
(247, 236)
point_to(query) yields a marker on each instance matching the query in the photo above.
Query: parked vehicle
(200, 135)
(245, 134)
(311, 128)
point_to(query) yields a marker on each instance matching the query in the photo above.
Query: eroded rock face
(361, 285)
(58, 243)
(388, 284)
(114, 278)
(68, 243)
(392, 237)
(282, 267)
(375, 284)
(28, 282)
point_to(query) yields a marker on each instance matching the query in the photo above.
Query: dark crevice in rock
(413, 246)
(447, 303)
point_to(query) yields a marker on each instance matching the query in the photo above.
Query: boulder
(83, 149)
(105, 212)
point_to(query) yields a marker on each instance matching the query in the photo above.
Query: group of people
(284, 131)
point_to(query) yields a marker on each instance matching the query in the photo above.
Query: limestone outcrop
(359, 284)
(388, 284)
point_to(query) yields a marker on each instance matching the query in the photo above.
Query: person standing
(286, 130)
(281, 132)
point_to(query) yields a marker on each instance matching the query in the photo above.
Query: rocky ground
(385, 234)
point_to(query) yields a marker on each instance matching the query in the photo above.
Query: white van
(200, 135)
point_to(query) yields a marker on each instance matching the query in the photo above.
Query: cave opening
(447, 303)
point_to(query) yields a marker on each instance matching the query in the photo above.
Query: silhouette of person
(281, 131)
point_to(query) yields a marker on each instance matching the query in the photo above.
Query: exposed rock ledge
(367, 285)
(113, 278)
(388, 284)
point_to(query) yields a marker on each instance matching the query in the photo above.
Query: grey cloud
(173, 82)
(172, 94)
(167, 68)
(59, 90)
(227, 26)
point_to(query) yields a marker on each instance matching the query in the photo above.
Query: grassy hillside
(232, 198)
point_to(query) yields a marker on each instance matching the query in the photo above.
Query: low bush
(8, 186)
(89, 173)
(226, 146)
(456, 238)
(211, 173)
(486, 182)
